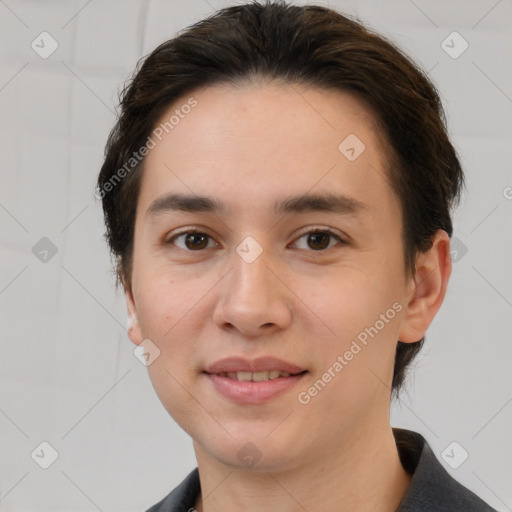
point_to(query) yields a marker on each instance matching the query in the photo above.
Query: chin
(258, 456)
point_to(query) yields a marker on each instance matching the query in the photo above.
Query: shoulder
(432, 488)
(182, 498)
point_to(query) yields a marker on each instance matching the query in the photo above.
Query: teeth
(255, 377)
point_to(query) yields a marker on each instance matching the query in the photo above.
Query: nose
(253, 299)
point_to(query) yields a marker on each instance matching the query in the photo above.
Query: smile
(254, 376)
(253, 388)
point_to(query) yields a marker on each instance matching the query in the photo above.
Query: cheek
(356, 317)
(173, 310)
(172, 322)
(347, 300)
(355, 356)
(162, 302)
(172, 388)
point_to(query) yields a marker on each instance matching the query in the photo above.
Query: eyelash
(325, 231)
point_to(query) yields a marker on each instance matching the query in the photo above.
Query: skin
(249, 146)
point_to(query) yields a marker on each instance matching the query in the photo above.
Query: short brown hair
(310, 45)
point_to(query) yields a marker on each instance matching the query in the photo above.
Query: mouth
(253, 381)
(257, 376)
(253, 388)
(265, 367)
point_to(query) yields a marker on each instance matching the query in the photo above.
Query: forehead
(256, 141)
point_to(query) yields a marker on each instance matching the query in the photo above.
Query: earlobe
(433, 269)
(131, 320)
(134, 331)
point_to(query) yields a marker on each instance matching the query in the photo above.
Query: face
(302, 261)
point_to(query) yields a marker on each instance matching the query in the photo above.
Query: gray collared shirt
(432, 488)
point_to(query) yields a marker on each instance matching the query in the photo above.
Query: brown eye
(192, 240)
(319, 240)
(196, 240)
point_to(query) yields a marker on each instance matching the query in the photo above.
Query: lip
(252, 393)
(261, 364)
(249, 392)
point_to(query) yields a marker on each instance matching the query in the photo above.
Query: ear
(427, 288)
(134, 330)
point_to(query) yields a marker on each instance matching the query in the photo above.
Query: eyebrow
(325, 202)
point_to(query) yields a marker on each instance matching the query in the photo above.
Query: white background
(68, 373)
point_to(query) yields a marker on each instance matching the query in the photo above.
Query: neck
(363, 474)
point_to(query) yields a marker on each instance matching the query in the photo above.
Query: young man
(277, 193)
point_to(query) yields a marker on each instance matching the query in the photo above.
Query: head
(257, 104)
